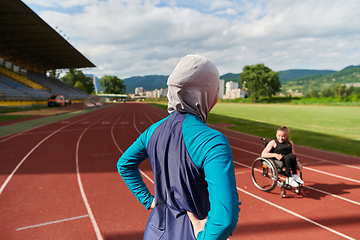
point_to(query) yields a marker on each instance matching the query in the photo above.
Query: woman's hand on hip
(198, 225)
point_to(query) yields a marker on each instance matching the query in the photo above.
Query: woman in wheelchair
(282, 151)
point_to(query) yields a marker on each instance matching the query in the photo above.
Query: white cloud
(61, 3)
(134, 37)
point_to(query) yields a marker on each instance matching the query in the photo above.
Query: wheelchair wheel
(264, 174)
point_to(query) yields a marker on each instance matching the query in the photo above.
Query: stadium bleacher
(34, 87)
(54, 86)
(10, 89)
(29, 48)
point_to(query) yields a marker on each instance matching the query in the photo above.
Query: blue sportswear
(193, 171)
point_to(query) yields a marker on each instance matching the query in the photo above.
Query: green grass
(300, 137)
(12, 117)
(260, 120)
(330, 120)
(18, 127)
(7, 110)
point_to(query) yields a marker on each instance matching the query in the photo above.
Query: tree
(74, 76)
(312, 94)
(112, 84)
(328, 93)
(260, 81)
(80, 86)
(54, 73)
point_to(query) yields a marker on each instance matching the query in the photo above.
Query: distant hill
(230, 77)
(287, 75)
(149, 82)
(296, 79)
(284, 76)
(152, 82)
(319, 82)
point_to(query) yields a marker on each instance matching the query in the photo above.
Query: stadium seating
(19, 78)
(34, 87)
(54, 86)
(10, 89)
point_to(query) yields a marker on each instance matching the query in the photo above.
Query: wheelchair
(269, 173)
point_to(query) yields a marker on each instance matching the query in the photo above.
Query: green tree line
(77, 79)
(337, 92)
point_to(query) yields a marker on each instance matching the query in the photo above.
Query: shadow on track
(336, 189)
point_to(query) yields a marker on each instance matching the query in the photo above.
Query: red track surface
(60, 181)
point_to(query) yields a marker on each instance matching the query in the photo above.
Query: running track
(59, 181)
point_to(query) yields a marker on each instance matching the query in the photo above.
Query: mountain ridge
(288, 78)
(151, 82)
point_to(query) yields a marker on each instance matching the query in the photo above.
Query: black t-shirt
(282, 148)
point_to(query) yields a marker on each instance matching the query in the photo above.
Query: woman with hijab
(194, 180)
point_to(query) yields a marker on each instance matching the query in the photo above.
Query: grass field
(7, 110)
(327, 128)
(331, 120)
(12, 117)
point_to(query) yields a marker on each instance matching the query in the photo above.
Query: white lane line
(285, 210)
(82, 191)
(48, 223)
(22, 132)
(331, 194)
(147, 116)
(314, 189)
(318, 190)
(275, 205)
(332, 175)
(139, 133)
(296, 215)
(315, 170)
(324, 160)
(135, 124)
(148, 178)
(300, 154)
(281, 208)
(83, 195)
(112, 130)
(32, 150)
(23, 160)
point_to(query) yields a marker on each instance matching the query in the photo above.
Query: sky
(127, 38)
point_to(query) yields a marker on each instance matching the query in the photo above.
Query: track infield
(59, 181)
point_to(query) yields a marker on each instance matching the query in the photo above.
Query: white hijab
(193, 86)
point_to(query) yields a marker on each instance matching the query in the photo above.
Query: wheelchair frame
(266, 175)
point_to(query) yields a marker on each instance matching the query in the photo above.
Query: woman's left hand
(152, 204)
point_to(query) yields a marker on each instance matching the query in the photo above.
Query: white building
(221, 88)
(139, 90)
(157, 93)
(355, 84)
(232, 85)
(233, 91)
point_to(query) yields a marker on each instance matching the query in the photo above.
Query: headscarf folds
(192, 86)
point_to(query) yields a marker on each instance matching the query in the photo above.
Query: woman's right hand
(198, 225)
(278, 156)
